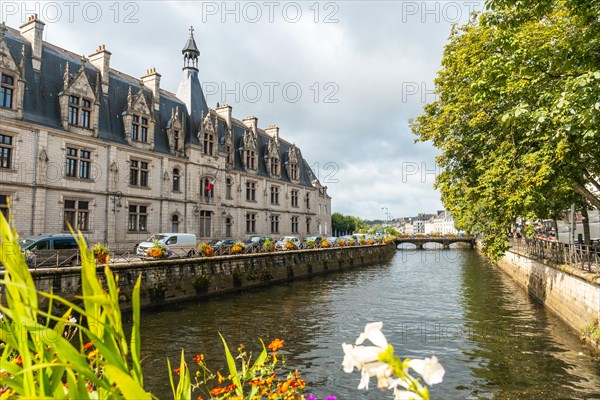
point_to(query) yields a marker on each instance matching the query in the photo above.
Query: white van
(181, 244)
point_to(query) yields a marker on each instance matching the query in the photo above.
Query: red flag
(210, 185)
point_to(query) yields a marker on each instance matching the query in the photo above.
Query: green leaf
(232, 368)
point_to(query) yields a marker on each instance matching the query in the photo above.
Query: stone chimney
(273, 131)
(101, 60)
(152, 80)
(251, 122)
(224, 111)
(32, 31)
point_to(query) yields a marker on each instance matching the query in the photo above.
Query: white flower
(405, 395)
(374, 334)
(357, 356)
(382, 370)
(73, 320)
(430, 369)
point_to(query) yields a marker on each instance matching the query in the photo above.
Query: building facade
(441, 223)
(121, 158)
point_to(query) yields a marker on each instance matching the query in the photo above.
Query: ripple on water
(493, 341)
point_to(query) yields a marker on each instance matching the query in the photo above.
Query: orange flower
(178, 370)
(87, 345)
(276, 344)
(199, 358)
(220, 377)
(217, 391)
(284, 388)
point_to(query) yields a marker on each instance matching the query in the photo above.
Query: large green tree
(517, 117)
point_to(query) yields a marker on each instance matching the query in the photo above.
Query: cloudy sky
(341, 79)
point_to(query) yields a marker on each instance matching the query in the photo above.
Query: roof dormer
(138, 120)
(79, 105)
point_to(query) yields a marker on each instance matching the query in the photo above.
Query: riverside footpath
(564, 278)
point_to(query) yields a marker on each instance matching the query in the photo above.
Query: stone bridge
(444, 241)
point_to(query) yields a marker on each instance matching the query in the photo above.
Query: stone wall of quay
(169, 281)
(569, 292)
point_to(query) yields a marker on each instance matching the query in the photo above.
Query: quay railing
(585, 257)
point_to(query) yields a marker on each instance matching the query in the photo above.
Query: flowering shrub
(324, 243)
(206, 250)
(391, 372)
(238, 247)
(362, 241)
(340, 242)
(311, 244)
(389, 239)
(371, 241)
(263, 378)
(268, 246)
(290, 245)
(101, 253)
(158, 251)
(351, 242)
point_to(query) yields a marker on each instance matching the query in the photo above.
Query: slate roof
(41, 105)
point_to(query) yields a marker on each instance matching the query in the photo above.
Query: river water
(492, 339)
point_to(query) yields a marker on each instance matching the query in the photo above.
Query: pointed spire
(190, 46)
(22, 62)
(66, 77)
(2, 30)
(129, 98)
(190, 52)
(98, 83)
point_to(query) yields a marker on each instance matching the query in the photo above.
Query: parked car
(332, 240)
(316, 239)
(180, 243)
(280, 244)
(52, 249)
(223, 244)
(347, 238)
(252, 242)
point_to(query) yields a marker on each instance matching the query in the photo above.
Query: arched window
(174, 223)
(207, 189)
(176, 180)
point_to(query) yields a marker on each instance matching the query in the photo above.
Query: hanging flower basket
(101, 253)
(206, 250)
(237, 248)
(158, 251)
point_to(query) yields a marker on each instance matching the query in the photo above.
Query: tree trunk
(589, 196)
(586, 222)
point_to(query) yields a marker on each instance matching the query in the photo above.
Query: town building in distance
(121, 158)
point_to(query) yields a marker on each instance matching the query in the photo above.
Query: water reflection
(492, 339)
(521, 350)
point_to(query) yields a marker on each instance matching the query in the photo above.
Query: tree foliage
(517, 118)
(346, 223)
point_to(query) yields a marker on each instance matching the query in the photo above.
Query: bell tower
(190, 91)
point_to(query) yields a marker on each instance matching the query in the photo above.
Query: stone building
(120, 157)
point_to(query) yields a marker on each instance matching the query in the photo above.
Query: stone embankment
(569, 292)
(173, 280)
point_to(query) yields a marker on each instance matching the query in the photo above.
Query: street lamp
(386, 214)
(116, 199)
